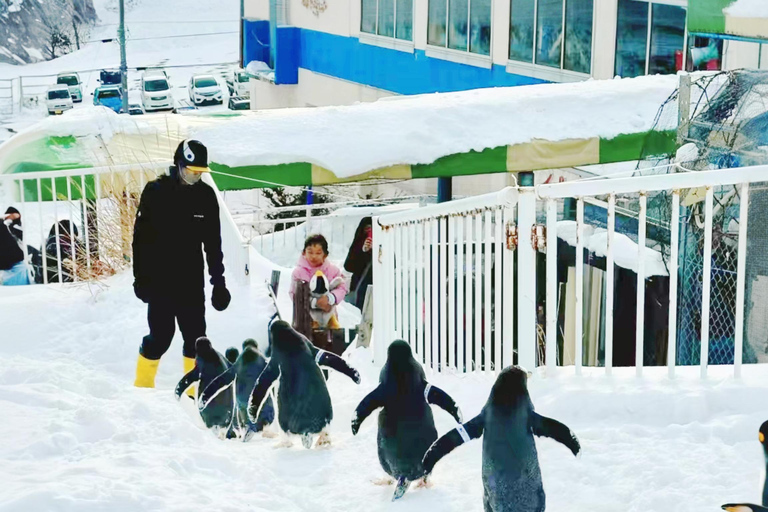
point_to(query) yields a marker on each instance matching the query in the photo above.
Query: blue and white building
(335, 52)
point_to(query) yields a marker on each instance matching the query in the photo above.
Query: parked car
(110, 96)
(58, 99)
(236, 103)
(110, 77)
(135, 109)
(238, 83)
(205, 89)
(72, 81)
(156, 91)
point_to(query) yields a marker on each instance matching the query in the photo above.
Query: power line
(175, 22)
(111, 39)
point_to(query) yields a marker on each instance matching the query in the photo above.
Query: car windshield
(156, 85)
(109, 93)
(205, 82)
(59, 94)
(67, 80)
(242, 77)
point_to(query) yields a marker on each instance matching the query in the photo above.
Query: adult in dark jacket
(178, 215)
(12, 267)
(13, 221)
(360, 262)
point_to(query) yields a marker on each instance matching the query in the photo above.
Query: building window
(463, 25)
(552, 33)
(388, 18)
(704, 54)
(649, 38)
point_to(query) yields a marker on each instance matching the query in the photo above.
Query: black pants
(162, 317)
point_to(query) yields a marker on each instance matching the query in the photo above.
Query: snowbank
(350, 140)
(91, 121)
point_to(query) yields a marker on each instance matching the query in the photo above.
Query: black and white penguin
(747, 507)
(303, 403)
(508, 422)
(208, 365)
(242, 375)
(406, 426)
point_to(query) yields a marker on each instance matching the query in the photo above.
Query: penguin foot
(424, 482)
(383, 481)
(323, 439)
(306, 440)
(402, 486)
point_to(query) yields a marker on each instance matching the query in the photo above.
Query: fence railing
(91, 212)
(478, 284)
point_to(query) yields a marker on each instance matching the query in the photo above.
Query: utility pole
(242, 21)
(123, 65)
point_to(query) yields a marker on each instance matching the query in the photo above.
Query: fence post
(526, 280)
(380, 331)
(21, 93)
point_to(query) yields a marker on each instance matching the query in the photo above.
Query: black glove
(141, 291)
(220, 298)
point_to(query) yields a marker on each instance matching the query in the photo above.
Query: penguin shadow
(749, 507)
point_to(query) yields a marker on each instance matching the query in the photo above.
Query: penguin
(303, 403)
(508, 422)
(406, 426)
(319, 286)
(231, 355)
(762, 436)
(208, 365)
(243, 373)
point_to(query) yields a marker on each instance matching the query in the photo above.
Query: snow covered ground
(77, 436)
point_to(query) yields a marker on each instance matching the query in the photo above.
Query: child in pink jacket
(314, 258)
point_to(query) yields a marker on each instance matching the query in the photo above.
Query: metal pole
(242, 21)
(123, 64)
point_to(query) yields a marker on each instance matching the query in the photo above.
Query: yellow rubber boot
(146, 369)
(189, 365)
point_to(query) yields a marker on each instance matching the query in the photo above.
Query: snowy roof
(748, 9)
(472, 132)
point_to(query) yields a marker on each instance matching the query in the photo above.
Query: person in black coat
(11, 255)
(178, 216)
(360, 262)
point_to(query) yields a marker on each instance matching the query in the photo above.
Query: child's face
(315, 255)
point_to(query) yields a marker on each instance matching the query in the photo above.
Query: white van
(156, 92)
(238, 82)
(58, 99)
(72, 81)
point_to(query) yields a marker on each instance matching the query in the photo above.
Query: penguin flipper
(451, 440)
(258, 396)
(187, 380)
(330, 360)
(365, 408)
(435, 395)
(217, 385)
(547, 427)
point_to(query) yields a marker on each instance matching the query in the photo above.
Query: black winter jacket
(10, 252)
(173, 223)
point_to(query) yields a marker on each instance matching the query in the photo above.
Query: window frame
(549, 73)
(462, 56)
(393, 43)
(673, 3)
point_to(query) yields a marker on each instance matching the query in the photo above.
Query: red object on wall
(679, 60)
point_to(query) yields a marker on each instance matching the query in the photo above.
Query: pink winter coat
(304, 272)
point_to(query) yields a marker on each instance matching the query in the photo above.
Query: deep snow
(76, 436)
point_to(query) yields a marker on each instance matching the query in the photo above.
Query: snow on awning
(480, 131)
(729, 19)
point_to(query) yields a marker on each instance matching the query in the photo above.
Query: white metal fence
(78, 224)
(460, 281)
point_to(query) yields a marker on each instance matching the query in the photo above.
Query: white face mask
(189, 178)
